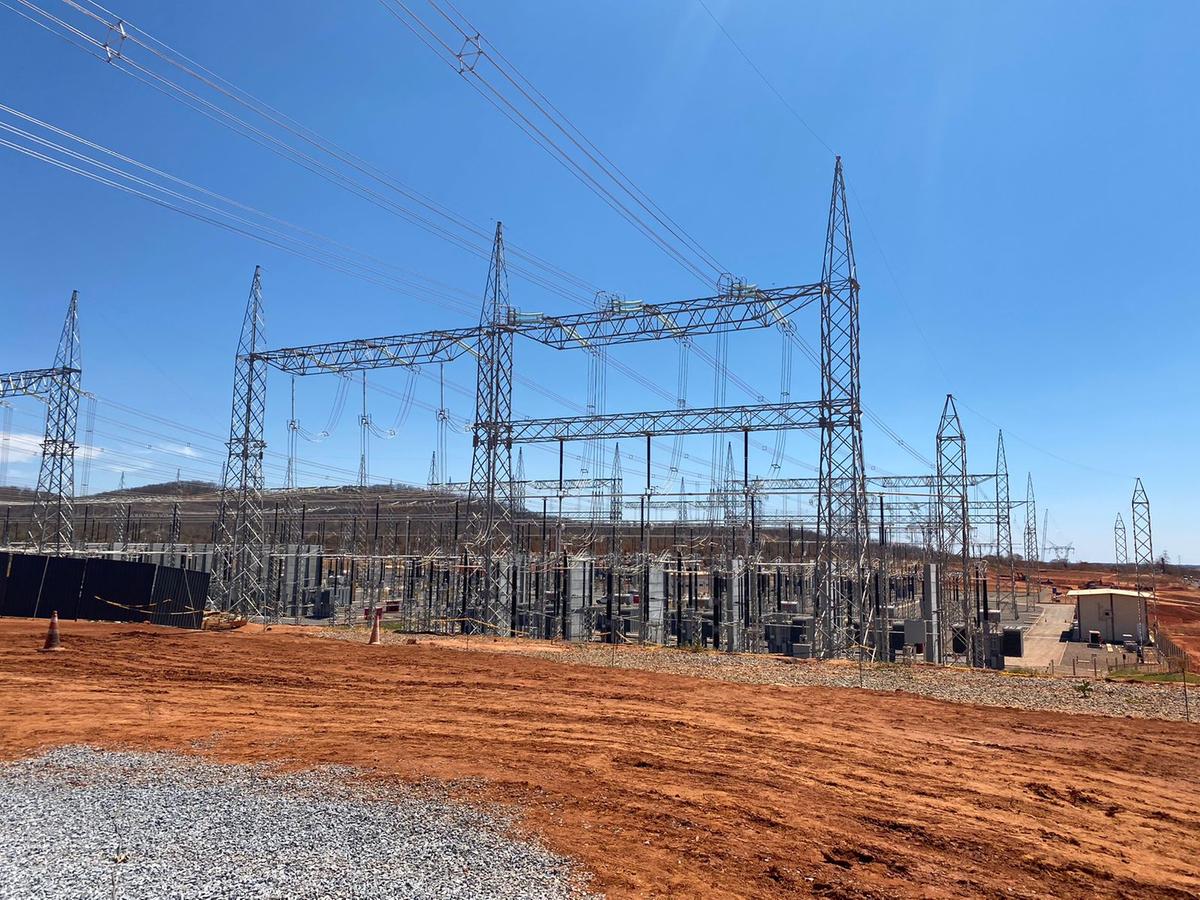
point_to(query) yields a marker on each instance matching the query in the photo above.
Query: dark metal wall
(32, 585)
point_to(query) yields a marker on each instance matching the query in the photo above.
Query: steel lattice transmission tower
(239, 575)
(489, 494)
(954, 523)
(1143, 551)
(1004, 544)
(53, 528)
(1033, 568)
(120, 520)
(615, 509)
(842, 552)
(1121, 542)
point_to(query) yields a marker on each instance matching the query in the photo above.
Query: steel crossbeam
(624, 322)
(373, 353)
(898, 482)
(712, 420)
(33, 382)
(621, 322)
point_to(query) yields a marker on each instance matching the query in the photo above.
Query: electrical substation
(719, 583)
(890, 566)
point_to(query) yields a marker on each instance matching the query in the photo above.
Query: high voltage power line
(120, 35)
(290, 140)
(176, 200)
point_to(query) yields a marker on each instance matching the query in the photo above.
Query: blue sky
(1025, 205)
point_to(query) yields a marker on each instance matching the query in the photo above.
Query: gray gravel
(1014, 690)
(85, 823)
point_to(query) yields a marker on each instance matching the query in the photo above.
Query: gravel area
(1016, 690)
(84, 823)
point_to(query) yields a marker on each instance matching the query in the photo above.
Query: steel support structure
(713, 420)
(239, 583)
(954, 524)
(489, 494)
(842, 532)
(1033, 557)
(1007, 576)
(885, 483)
(740, 307)
(1121, 543)
(52, 528)
(1143, 559)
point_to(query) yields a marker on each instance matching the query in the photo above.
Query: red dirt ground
(661, 785)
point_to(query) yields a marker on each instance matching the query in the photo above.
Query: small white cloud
(24, 447)
(178, 450)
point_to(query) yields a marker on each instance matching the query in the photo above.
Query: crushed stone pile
(84, 823)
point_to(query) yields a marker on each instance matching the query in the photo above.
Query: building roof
(1093, 592)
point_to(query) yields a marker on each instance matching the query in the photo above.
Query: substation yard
(1178, 602)
(657, 784)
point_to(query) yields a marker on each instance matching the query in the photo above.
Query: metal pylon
(292, 531)
(615, 509)
(519, 486)
(489, 494)
(121, 513)
(1033, 567)
(53, 527)
(1143, 555)
(1120, 542)
(1004, 545)
(954, 520)
(239, 573)
(842, 530)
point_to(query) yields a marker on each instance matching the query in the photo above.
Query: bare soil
(661, 785)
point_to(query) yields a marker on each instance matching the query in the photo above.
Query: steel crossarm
(569, 484)
(713, 420)
(624, 322)
(892, 482)
(373, 353)
(919, 481)
(32, 382)
(619, 323)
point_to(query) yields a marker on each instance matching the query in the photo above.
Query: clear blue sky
(1028, 170)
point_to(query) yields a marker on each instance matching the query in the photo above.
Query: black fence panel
(25, 574)
(178, 598)
(32, 585)
(5, 562)
(117, 590)
(60, 587)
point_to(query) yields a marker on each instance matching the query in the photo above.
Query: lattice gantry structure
(953, 517)
(1121, 543)
(1004, 544)
(490, 496)
(842, 501)
(239, 571)
(52, 529)
(1143, 554)
(486, 546)
(1033, 553)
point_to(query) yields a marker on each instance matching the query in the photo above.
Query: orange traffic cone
(52, 641)
(375, 627)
